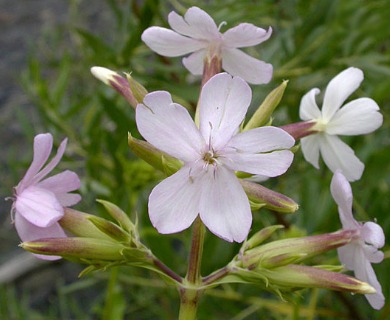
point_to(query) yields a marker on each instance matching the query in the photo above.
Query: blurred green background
(312, 41)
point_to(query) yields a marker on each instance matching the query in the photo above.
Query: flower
(206, 184)
(359, 116)
(360, 253)
(39, 202)
(198, 34)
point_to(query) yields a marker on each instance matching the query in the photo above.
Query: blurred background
(46, 51)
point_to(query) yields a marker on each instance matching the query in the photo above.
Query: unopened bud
(267, 198)
(79, 225)
(156, 158)
(285, 251)
(300, 130)
(119, 216)
(298, 276)
(117, 82)
(260, 236)
(263, 114)
(136, 88)
(76, 248)
(110, 229)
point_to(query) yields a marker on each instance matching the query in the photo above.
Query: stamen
(221, 25)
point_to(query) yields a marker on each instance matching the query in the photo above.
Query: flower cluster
(208, 163)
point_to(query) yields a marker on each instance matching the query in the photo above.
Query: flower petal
(53, 162)
(311, 149)
(347, 255)
(174, 202)
(39, 206)
(338, 155)
(223, 104)
(339, 89)
(342, 194)
(169, 43)
(63, 182)
(252, 70)
(194, 62)
(245, 35)
(263, 139)
(196, 24)
(308, 110)
(372, 233)
(373, 254)
(224, 206)
(43, 144)
(365, 272)
(169, 127)
(266, 164)
(359, 116)
(29, 232)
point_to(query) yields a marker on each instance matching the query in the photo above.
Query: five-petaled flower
(360, 253)
(39, 202)
(198, 34)
(357, 117)
(206, 185)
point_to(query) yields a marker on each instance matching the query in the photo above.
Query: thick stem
(190, 292)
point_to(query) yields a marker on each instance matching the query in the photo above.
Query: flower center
(210, 157)
(320, 125)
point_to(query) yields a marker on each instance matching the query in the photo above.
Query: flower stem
(190, 292)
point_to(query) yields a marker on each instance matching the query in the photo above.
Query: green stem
(190, 292)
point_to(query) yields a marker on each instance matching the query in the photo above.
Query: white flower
(357, 117)
(39, 202)
(206, 185)
(198, 34)
(359, 254)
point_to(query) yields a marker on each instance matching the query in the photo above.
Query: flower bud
(298, 276)
(299, 130)
(119, 216)
(75, 247)
(110, 229)
(263, 114)
(78, 223)
(272, 200)
(117, 82)
(156, 158)
(136, 88)
(260, 236)
(285, 251)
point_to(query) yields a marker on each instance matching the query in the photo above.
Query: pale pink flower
(39, 202)
(357, 117)
(198, 34)
(207, 185)
(360, 253)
